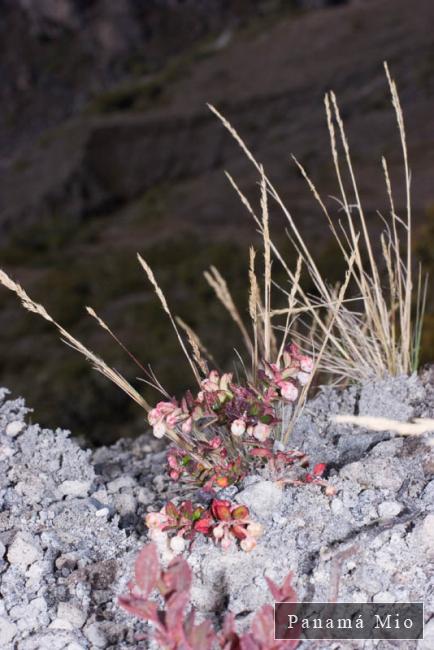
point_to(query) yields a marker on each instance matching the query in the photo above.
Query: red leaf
(287, 590)
(204, 525)
(239, 532)
(175, 607)
(274, 590)
(144, 609)
(286, 593)
(319, 469)
(147, 569)
(220, 508)
(171, 510)
(260, 451)
(240, 512)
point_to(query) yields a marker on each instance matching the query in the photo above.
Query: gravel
(72, 521)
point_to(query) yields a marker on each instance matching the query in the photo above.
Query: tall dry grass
(377, 333)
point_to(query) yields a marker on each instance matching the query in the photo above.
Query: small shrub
(223, 520)
(174, 626)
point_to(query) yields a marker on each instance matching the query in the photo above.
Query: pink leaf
(178, 576)
(285, 593)
(202, 637)
(262, 628)
(175, 606)
(144, 609)
(274, 590)
(147, 569)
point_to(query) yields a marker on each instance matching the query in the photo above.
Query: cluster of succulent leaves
(174, 626)
(222, 520)
(230, 469)
(229, 429)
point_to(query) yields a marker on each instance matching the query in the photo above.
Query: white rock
(121, 482)
(336, 506)
(61, 624)
(14, 428)
(102, 512)
(2, 550)
(384, 597)
(24, 550)
(75, 646)
(261, 497)
(124, 503)
(75, 488)
(7, 631)
(34, 573)
(72, 614)
(95, 635)
(101, 496)
(145, 495)
(389, 509)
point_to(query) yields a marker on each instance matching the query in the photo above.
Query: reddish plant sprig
(175, 629)
(224, 521)
(244, 410)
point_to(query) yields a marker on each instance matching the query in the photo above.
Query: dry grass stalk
(96, 362)
(304, 394)
(197, 347)
(417, 427)
(254, 306)
(165, 306)
(269, 340)
(218, 283)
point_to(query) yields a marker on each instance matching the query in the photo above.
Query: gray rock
(72, 614)
(75, 488)
(14, 428)
(8, 630)
(262, 498)
(24, 550)
(119, 483)
(95, 635)
(389, 509)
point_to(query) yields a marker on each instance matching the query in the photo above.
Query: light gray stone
(8, 629)
(122, 482)
(389, 509)
(262, 498)
(95, 635)
(71, 613)
(14, 428)
(75, 488)
(24, 550)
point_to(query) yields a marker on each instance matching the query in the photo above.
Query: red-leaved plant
(174, 626)
(222, 520)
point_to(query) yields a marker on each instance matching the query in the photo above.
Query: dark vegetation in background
(107, 150)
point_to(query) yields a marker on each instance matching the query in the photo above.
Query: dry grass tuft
(379, 332)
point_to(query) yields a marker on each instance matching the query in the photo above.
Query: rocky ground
(71, 523)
